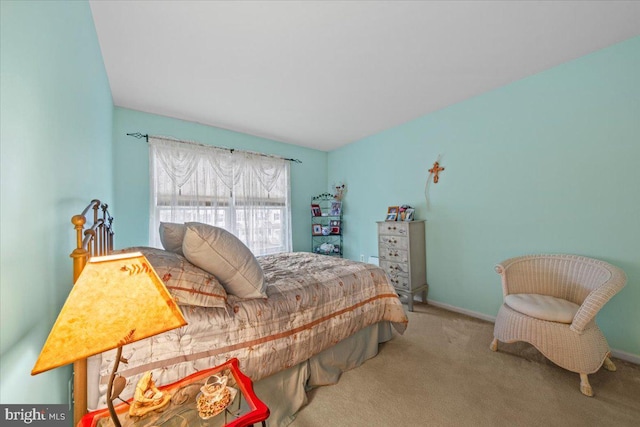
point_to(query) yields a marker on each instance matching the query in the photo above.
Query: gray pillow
(171, 236)
(222, 254)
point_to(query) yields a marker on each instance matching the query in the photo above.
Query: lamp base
(115, 387)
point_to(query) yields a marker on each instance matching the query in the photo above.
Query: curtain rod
(138, 135)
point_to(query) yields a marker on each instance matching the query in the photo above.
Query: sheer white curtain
(245, 193)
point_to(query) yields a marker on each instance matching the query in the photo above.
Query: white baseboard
(629, 357)
(619, 354)
(471, 313)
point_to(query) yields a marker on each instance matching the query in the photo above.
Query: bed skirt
(285, 392)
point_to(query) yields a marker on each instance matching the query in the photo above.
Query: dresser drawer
(393, 228)
(395, 267)
(400, 282)
(390, 254)
(394, 242)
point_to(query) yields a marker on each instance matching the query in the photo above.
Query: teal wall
(546, 164)
(55, 141)
(131, 171)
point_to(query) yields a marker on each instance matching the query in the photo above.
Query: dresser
(402, 255)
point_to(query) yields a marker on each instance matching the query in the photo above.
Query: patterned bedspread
(314, 301)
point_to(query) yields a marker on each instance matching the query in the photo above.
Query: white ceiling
(322, 74)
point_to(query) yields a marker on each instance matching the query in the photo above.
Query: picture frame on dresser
(409, 213)
(392, 213)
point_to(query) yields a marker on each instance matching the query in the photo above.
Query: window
(245, 193)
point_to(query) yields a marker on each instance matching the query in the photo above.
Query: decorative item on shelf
(214, 396)
(316, 229)
(336, 208)
(326, 230)
(392, 213)
(341, 190)
(315, 210)
(327, 248)
(147, 397)
(116, 300)
(324, 196)
(335, 226)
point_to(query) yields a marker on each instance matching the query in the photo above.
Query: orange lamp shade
(117, 299)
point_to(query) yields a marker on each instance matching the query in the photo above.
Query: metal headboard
(93, 239)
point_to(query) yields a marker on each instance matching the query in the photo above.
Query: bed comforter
(314, 301)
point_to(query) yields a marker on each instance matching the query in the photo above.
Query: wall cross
(435, 170)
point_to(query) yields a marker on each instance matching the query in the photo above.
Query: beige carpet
(442, 373)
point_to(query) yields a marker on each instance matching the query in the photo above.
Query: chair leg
(585, 387)
(494, 345)
(609, 365)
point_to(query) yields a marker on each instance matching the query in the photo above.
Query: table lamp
(117, 300)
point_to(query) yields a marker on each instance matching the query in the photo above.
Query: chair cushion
(543, 307)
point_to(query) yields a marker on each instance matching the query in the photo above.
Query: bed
(321, 316)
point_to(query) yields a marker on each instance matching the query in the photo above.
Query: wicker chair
(574, 341)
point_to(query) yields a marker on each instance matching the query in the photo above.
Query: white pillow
(222, 254)
(171, 236)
